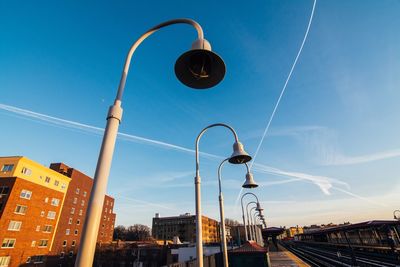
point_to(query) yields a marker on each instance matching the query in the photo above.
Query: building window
(14, 226)
(76, 232)
(105, 209)
(80, 212)
(55, 202)
(83, 203)
(84, 193)
(78, 222)
(56, 182)
(51, 215)
(63, 186)
(75, 200)
(70, 221)
(8, 243)
(7, 167)
(33, 243)
(47, 180)
(19, 209)
(43, 243)
(42, 213)
(67, 231)
(4, 191)
(5, 261)
(62, 254)
(47, 228)
(64, 243)
(46, 200)
(77, 191)
(71, 254)
(73, 243)
(37, 259)
(26, 171)
(25, 194)
(37, 228)
(107, 203)
(72, 210)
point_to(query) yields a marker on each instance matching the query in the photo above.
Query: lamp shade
(239, 155)
(200, 68)
(259, 209)
(249, 183)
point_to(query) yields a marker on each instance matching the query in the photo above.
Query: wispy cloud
(339, 159)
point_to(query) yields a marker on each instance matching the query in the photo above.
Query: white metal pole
(222, 217)
(95, 205)
(197, 182)
(223, 238)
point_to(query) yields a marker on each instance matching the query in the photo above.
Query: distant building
(184, 226)
(31, 199)
(292, 231)
(42, 212)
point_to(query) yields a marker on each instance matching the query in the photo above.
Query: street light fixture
(396, 215)
(198, 68)
(239, 156)
(249, 183)
(243, 216)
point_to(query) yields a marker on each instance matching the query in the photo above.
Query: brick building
(42, 212)
(31, 199)
(68, 234)
(184, 226)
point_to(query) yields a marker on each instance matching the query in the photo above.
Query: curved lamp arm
(122, 82)
(201, 134)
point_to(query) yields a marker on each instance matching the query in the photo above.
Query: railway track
(327, 257)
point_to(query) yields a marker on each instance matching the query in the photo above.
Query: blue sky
(330, 155)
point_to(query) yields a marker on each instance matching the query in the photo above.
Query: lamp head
(249, 183)
(200, 68)
(259, 209)
(239, 155)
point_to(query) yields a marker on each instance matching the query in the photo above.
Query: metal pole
(254, 225)
(243, 216)
(197, 182)
(95, 205)
(222, 217)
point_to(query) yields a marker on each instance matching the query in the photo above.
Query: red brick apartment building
(42, 211)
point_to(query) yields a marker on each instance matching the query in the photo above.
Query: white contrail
(324, 183)
(144, 202)
(282, 92)
(284, 86)
(97, 130)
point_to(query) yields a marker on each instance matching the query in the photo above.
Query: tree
(231, 222)
(120, 233)
(136, 232)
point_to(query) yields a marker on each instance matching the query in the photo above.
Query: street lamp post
(243, 214)
(253, 222)
(249, 183)
(198, 68)
(239, 156)
(250, 224)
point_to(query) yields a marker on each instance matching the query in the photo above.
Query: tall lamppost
(249, 220)
(396, 215)
(249, 183)
(239, 156)
(253, 222)
(199, 68)
(243, 214)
